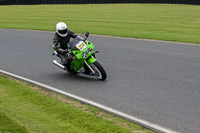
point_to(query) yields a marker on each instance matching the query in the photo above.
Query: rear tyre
(99, 71)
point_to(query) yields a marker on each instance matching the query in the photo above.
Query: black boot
(68, 68)
(64, 62)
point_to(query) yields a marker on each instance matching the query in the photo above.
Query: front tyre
(99, 71)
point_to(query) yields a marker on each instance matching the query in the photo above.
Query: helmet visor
(62, 31)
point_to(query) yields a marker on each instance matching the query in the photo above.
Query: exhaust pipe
(55, 62)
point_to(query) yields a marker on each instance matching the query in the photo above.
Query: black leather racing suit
(62, 42)
(61, 46)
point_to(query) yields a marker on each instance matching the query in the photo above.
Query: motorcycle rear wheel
(100, 73)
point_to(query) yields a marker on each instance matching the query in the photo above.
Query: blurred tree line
(34, 2)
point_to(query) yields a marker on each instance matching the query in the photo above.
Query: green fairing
(79, 62)
(91, 60)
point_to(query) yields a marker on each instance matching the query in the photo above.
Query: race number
(81, 45)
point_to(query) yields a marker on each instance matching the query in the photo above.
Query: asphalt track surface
(151, 80)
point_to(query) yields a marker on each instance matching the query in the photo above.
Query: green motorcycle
(81, 55)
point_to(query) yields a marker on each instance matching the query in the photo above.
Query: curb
(135, 120)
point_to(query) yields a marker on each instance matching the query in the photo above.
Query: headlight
(84, 54)
(89, 50)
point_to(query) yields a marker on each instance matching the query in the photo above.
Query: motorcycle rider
(61, 39)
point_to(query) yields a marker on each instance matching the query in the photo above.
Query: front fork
(89, 66)
(90, 61)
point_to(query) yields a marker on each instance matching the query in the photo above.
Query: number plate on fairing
(81, 45)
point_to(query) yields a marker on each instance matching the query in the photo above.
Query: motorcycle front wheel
(99, 71)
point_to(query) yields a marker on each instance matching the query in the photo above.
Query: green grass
(169, 22)
(8, 125)
(27, 109)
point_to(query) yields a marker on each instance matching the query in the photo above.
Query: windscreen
(74, 42)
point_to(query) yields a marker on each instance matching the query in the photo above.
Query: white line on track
(138, 121)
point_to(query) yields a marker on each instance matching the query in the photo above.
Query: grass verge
(169, 22)
(28, 109)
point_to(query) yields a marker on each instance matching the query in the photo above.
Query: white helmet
(61, 29)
